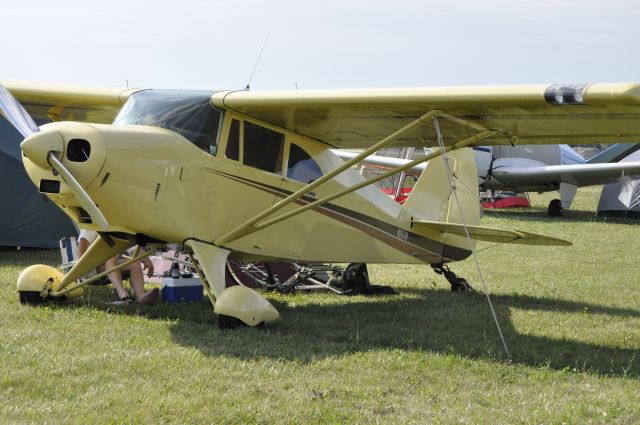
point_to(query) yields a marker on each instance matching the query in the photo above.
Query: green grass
(570, 316)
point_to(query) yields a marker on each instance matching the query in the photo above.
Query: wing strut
(458, 145)
(253, 224)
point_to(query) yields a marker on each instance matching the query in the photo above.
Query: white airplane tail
(432, 197)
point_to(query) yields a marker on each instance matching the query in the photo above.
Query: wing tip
(538, 239)
(628, 92)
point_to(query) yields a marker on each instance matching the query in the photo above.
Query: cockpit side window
(233, 141)
(262, 148)
(301, 166)
(201, 128)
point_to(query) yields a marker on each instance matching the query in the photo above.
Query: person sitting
(87, 237)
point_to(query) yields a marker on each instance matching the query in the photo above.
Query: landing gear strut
(458, 284)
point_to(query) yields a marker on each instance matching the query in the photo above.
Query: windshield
(188, 113)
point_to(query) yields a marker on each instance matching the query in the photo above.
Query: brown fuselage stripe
(417, 246)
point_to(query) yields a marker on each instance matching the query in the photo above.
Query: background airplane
(531, 168)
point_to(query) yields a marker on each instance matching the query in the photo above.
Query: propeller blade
(82, 196)
(16, 114)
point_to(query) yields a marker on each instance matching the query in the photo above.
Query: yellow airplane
(250, 175)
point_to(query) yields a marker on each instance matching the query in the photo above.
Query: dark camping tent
(27, 218)
(622, 198)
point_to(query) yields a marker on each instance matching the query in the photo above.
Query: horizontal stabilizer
(489, 234)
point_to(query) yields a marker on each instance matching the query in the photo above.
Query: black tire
(461, 285)
(555, 208)
(229, 322)
(30, 297)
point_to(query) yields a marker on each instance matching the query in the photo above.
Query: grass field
(570, 316)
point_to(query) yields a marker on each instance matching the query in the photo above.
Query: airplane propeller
(16, 114)
(22, 121)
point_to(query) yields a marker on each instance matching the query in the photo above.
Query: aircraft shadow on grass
(431, 320)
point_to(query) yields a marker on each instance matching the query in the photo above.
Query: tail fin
(615, 153)
(432, 198)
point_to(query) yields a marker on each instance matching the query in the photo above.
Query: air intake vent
(78, 150)
(49, 186)
(84, 216)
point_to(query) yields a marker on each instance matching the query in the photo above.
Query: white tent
(622, 198)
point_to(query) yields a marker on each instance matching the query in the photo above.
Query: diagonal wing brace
(254, 225)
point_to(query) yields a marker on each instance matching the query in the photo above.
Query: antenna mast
(257, 62)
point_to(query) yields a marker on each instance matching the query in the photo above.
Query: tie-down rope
(464, 223)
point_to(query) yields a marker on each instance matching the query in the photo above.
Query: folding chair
(69, 255)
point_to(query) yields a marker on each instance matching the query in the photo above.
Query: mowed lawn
(570, 317)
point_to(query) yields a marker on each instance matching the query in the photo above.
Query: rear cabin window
(233, 142)
(301, 166)
(262, 148)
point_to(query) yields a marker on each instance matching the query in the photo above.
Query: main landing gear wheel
(555, 208)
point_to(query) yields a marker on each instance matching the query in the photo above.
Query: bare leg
(116, 278)
(137, 283)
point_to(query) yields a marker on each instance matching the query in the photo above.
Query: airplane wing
(489, 234)
(578, 174)
(531, 114)
(528, 114)
(65, 102)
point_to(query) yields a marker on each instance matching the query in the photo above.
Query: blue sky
(319, 44)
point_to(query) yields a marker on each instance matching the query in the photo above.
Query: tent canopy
(622, 198)
(27, 217)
